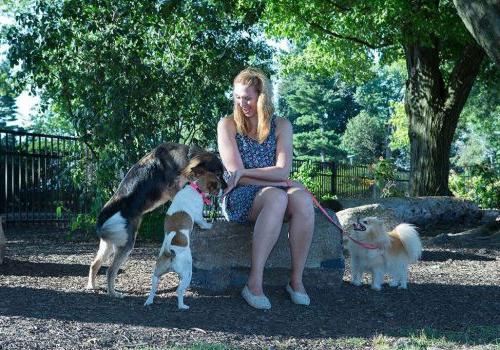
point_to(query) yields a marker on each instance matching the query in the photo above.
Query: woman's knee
(300, 203)
(275, 199)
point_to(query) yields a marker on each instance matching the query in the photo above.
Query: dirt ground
(43, 304)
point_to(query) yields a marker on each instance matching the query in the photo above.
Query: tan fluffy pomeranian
(396, 250)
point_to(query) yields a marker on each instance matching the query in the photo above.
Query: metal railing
(344, 180)
(47, 178)
(37, 177)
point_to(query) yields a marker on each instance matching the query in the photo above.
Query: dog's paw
(356, 283)
(148, 302)
(206, 226)
(183, 307)
(116, 295)
(90, 287)
(403, 286)
(393, 284)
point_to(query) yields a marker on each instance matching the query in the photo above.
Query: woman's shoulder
(227, 122)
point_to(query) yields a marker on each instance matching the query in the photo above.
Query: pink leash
(316, 202)
(362, 244)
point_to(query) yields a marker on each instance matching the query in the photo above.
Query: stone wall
(221, 256)
(424, 212)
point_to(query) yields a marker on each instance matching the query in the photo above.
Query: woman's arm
(268, 176)
(281, 171)
(226, 142)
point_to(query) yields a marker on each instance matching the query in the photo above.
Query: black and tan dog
(151, 182)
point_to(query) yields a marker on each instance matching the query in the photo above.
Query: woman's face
(246, 97)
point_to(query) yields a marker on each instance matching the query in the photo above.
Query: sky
(25, 103)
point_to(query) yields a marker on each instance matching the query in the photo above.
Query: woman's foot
(298, 297)
(257, 301)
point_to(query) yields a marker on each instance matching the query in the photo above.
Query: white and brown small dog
(175, 253)
(151, 182)
(397, 249)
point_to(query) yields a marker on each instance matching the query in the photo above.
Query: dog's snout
(358, 226)
(214, 187)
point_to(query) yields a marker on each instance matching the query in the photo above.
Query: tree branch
(462, 77)
(340, 7)
(345, 37)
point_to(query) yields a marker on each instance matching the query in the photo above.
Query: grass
(196, 346)
(427, 338)
(477, 337)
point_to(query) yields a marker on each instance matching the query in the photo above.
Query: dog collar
(206, 200)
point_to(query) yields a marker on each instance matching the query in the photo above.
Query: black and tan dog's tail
(114, 230)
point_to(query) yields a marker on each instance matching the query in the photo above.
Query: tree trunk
(482, 19)
(433, 110)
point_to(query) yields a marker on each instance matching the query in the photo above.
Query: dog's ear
(194, 169)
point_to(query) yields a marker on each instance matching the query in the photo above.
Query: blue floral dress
(237, 204)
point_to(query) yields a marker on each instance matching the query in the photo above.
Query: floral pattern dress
(237, 204)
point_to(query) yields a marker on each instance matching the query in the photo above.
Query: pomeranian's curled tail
(411, 241)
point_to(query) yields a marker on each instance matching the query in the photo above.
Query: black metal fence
(46, 178)
(38, 182)
(343, 180)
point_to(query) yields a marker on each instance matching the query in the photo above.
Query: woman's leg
(268, 210)
(301, 227)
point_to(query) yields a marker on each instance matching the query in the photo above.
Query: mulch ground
(43, 304)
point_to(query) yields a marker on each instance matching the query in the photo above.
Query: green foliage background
(124, 76)
(319, 108)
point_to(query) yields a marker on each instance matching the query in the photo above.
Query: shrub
(307, 174)
(385, 175)
(152, 224)
(480, 184)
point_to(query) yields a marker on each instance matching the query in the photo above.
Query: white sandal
(256, 301)
(298, 298)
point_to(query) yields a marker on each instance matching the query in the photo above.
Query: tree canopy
(319, 109)
(134, 74)
(442, 62)
(8, 107)
(385, 88)
(364, 138)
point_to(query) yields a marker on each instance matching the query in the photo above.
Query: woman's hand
(296, 184)
(233, 180)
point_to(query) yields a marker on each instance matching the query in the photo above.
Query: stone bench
(222, 256)
(424, 212)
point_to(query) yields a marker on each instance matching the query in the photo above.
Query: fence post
(333, 178)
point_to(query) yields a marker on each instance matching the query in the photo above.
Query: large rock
(222, 256)
(348, 216)
(423, 212)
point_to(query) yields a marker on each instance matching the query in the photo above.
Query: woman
(256, 150)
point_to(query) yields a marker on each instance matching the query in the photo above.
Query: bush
(385, 175)
(152, 224)
(307, 174)
(480, 184)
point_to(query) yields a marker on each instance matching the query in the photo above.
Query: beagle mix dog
(151, 182)
(175, 253)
